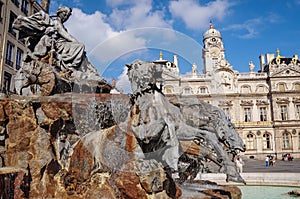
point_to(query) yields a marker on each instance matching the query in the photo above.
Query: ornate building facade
(12, 47)
(264, 105)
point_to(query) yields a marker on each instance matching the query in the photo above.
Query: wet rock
(294, 193)
(11, 182)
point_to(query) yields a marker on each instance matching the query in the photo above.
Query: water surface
(266, 192)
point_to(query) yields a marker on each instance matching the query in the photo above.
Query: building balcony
(194, 76)
(251, 75)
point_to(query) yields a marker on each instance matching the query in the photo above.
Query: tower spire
(210, 25)
(160, 55)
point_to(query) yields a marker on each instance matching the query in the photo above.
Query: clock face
(214, 51)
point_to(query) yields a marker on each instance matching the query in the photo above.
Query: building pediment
(287, 71)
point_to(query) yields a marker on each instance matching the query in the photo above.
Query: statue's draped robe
(41, 30)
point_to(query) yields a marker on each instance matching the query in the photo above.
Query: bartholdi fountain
(67, 137)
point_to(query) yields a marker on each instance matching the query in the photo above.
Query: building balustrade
(257, 123)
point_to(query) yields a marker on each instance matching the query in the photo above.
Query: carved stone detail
(296, 100)
(262, 102)
(225, 103)
(247, 103)
(282, 100)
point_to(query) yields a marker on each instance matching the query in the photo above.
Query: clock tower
(213, 52)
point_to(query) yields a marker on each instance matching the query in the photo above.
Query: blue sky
(117, 32)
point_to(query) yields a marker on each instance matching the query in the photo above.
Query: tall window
(299, 140)
(16, 2)
(19, 58)
(1, 6)
(6, 81)
(247, 114)
(283, 112)
(267, 141)
(24, 7)
(226, 111)
(298, 111)
(9, 54)
(286, 140)
(263, 113)
(12, 18)
(250, 141)
(202, 90)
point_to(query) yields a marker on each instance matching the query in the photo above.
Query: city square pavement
(259, 166)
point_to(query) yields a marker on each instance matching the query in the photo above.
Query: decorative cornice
(225, 103)
(296, 100)
(262, 102)
(282, 100)
(246, 102)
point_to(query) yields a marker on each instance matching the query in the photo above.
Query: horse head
(202, 115)
(141, 74)
(225, 131)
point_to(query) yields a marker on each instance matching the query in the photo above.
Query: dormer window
(187, 91)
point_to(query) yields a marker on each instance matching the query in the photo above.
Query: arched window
(286, 140)
(187, 91)
(245, 89)
(261, 89)
(297, 86)
(267, 141)
(281, 87)
(250, 141)
(168, 90)
(202, 90)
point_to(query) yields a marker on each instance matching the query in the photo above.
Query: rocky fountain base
(51, 147)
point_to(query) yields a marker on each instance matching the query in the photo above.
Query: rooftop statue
(54, 57)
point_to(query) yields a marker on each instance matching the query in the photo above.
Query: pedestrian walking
(239, 164)
(267, 161)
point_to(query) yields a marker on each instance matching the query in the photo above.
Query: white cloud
(140, 14)
(103, 35)
(117, 46)
(89, 29)
(123, 82)
(251, 28)
(114, 3)
(197, 16)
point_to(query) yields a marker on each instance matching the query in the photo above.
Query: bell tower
(213, 51)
